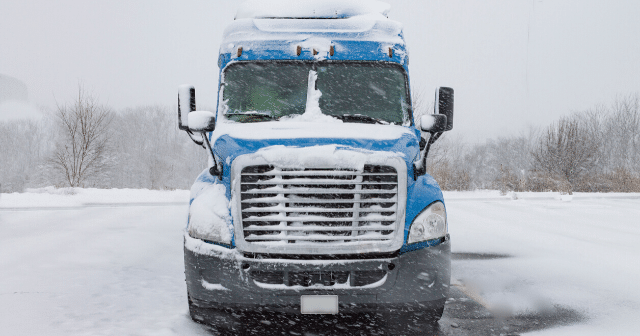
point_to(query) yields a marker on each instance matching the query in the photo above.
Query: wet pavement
(465, 314)
(462, 316)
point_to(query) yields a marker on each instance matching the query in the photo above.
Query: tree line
(597, 150)
(87, 144)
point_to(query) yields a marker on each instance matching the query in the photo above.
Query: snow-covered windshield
(367, 92)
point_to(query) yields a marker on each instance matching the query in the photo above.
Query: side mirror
(433, 123)
(186, 104)
(444, 105)
(201, 121)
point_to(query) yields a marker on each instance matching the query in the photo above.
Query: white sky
(512, 63)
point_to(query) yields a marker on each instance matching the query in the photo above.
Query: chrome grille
(320, 207)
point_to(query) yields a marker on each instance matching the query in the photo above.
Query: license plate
(319, 304)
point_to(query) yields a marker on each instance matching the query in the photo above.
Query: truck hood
(231, 140)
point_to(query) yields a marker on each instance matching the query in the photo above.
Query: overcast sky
(512, 63)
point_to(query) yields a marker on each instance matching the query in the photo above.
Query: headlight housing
(207, 229)
(209, 217)
(431, 223)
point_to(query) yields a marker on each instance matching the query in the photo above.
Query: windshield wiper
(360, 118)
(251, 116)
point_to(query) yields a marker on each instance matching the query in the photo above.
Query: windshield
(351, 91)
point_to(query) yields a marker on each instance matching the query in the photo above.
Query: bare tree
(623, 133)
(568, 150)
(81, 150)
(157, 157)
(422, 103)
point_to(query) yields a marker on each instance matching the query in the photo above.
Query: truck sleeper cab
(316, 200)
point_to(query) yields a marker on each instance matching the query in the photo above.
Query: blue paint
(206, 178)
(417, 246)
(220, 244)
(346, 51)
(227, 147)
(349, 46)
(420, 193)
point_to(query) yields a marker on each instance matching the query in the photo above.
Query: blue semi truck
(316, 199)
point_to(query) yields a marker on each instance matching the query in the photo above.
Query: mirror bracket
(196, 141)
(215, 169)
(443, 106)
(420, 168)
(187, 105)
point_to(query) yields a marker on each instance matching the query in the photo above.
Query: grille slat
(316, 228)
(318, 206)
(290, 200)
(313, 210)
(316, 173)
(306, 181)
(316, 237)
(316, 219)
(301, 191)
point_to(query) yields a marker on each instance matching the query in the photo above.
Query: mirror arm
(198, 142)
(214, 170)
(419, 171)
(432, 139)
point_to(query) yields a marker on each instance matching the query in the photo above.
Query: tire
(413, 322)
(197, 314)
(225, 322)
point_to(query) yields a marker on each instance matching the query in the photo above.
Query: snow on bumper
(221, 277)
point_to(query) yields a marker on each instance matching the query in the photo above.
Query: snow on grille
(318, 206)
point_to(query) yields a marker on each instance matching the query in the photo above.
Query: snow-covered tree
(82, 144)
(568, 150)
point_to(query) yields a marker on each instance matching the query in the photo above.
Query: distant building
(12, 89)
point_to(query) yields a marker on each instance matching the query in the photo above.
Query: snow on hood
(293, 129)
(234, 139)
(322, 156)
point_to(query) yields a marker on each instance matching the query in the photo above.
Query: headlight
(213, 229)
(209, 217)
(431, 223)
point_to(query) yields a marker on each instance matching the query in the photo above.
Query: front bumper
(218, 277)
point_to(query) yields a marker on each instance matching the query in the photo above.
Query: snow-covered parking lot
(581, 254)
(109, 262)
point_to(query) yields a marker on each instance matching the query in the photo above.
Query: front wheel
(413, 321)
(225, 322)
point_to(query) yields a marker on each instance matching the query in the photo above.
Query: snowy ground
(109, 262)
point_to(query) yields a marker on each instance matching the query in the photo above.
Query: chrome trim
(355, 243)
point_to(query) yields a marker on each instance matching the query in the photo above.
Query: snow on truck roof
(310, 9)
(312, 29)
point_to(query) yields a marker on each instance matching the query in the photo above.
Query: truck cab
(316, 199)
